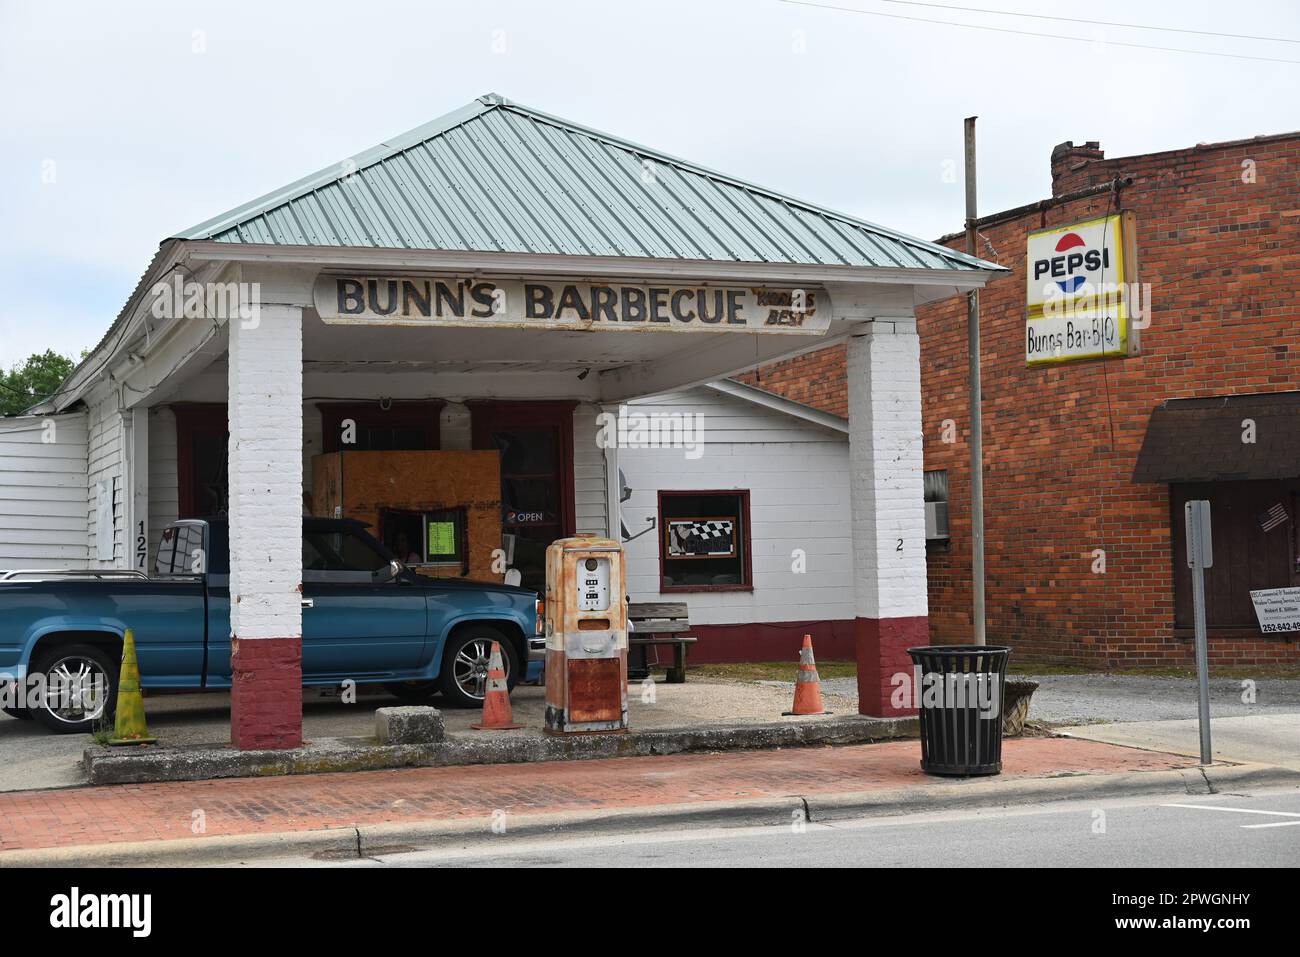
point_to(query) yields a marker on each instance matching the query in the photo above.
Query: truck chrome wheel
(464, 676)
(76, 689)
(79, 689)
(470, 666)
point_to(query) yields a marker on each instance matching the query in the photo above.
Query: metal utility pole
(1200, 556)
(976, 406)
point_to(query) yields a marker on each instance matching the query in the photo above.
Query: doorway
(202, 486)
(535, 442)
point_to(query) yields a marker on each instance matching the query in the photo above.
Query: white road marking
(1245, 810)
(1238, 810)
(1273, 824)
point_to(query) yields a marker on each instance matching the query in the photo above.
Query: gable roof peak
(498, 176)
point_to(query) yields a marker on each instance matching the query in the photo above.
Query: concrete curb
(193, 851)
(373, 839)
(204, 762)
(988, 792)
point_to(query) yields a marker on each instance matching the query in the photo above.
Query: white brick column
(265, 480)
(887, 502)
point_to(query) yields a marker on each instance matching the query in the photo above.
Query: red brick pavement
(71, 816)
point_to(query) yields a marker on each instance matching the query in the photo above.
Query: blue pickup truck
(366, 618)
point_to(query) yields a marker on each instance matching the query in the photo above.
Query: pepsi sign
(1077, 291)
(1073, 263)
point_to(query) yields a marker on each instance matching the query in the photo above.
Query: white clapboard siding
(797, 475)
(105, 464)
(164, 499)
(43, 492)
(590, 492)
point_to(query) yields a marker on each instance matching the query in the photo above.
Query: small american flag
(1271, 519)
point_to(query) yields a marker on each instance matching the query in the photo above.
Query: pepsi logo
(1073, 261)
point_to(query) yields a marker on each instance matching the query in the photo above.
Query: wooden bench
(660, 623)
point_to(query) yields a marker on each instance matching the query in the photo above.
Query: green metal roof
(496, 176)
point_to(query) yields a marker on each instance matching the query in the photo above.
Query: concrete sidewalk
(1262, 739)
(33, 758)
(348, 813)
(1085, 699)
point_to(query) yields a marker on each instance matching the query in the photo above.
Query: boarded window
(1254, 545)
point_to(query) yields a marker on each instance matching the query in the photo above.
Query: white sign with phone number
(1278, 609)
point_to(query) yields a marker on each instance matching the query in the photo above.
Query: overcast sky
(123, 123)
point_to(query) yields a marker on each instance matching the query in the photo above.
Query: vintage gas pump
(586, 636)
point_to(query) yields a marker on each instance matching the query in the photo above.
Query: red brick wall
(817, 379)
(1060, 441)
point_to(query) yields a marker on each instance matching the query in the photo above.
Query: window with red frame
(704, 542)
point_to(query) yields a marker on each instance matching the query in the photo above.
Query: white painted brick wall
(886, 493)
(266, 471)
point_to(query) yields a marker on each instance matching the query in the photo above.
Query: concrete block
(410, 724)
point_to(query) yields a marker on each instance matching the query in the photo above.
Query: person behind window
(404, 551)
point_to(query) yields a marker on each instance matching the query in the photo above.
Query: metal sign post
(976, 407)
(1200, 556)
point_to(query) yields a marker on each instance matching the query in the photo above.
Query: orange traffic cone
(808, 686)
(496, 702)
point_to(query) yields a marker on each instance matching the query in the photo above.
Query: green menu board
(442, 539)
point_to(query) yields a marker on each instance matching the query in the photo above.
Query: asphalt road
(1224, 830)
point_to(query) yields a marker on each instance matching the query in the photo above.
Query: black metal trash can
(959, 693)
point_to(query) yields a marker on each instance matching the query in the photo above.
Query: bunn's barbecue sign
(560, 304)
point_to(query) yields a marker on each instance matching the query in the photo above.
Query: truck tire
(463, 678)
(77, 663)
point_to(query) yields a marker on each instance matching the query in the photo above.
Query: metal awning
(1209, 440)
(496, 176)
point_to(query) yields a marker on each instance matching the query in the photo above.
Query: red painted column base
(882, 645)
(266, 693)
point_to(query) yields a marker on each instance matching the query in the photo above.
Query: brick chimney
(1071, 166)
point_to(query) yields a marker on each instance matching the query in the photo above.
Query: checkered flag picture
(703, 538)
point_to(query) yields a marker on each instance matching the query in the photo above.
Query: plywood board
(368, 483)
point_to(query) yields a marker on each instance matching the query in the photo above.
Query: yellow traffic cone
(129, 726)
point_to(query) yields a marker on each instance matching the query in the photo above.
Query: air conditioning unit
(936, 521)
